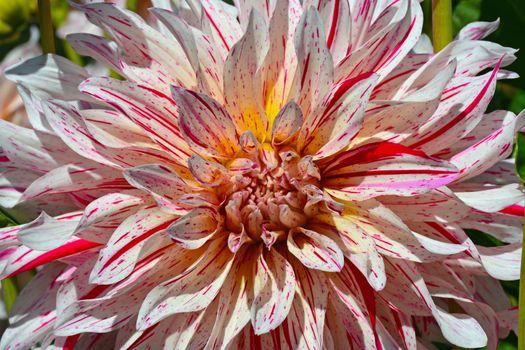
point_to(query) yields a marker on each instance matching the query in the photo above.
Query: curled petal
(164, 185)
(206, 172)
(195, 228)
(287, 123)
(315, 250)
(46, 233)
(205, 124)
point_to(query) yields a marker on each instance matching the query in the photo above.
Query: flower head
(273, 175)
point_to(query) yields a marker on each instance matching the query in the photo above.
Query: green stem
(10, 290)
(441, 23)
(521, 306)
(47, 40)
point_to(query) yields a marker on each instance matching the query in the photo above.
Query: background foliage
(17, 16)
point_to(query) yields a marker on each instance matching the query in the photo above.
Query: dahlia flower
(11, 105)
(272, 175)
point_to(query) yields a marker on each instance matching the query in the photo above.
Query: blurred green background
(17, 16)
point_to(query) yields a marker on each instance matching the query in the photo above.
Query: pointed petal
(194, 290)
(315, 65)
(146, 57)
(287, 123)
(437, 204)
(278, 71)
(117, 259)
(338, 119)
(462, 105)
(194, 229)
(46, 232)
(207, 172)
(204, 56)
(50, 76)
(241, 89)
(478, 30)
(273, 301)
(383, 169)
(149, 108)
(220, 25)
(315, 251)
(162, 183)
(485, 153)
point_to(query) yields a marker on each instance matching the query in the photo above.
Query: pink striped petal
(306, 318)
(114, 129)
(241, 87)
(383, 169)
(314, 250)
(287, 124)
(194, 290)
(409, 292)
(118, 258)
(207, 172)
(395, 120)
(280, 65)
(72, 178)
(194, 229)
(437, 204)
(485, 153)
(331, 127)
(54, 77)
(33, 315)
(69, 126)
(220, 25)
(46, 233)
(168, 62)
(478, 30)
(162, 183)
(149, 108)
(205, 124)
(391, 42)
(205, 58)
(273, 300)
(235, 298)
(462, 105)
(97, 47)
(107, 212)
(350, 308)
(315, 65)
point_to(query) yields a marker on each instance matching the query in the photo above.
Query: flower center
(271, 192)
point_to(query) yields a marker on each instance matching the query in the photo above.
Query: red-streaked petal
(205, 124)
(384, 169)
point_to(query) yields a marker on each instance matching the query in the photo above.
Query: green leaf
(10, 291)
(15, 16)
(465, 12)
(517, 103)
(512, 22)
(520, 156)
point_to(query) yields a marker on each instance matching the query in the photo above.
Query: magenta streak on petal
(44, 324)
(67, 249)
(464, 113)
(333, 26)
(391, 172)
(210, 18)
(399, 45)
(133, 243)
